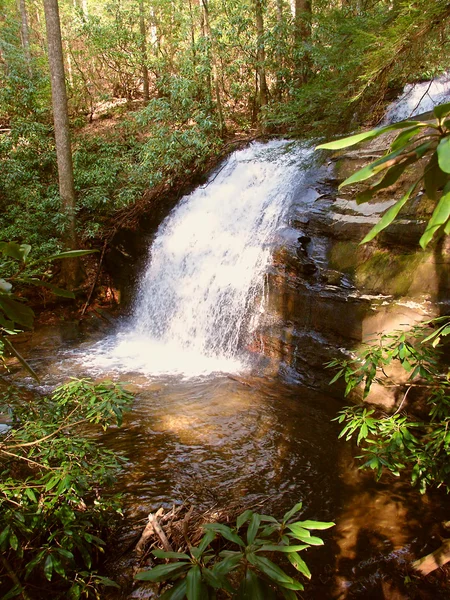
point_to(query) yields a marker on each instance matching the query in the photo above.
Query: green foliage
(420, 444)
(235, 559)
(425, 145)
(53, 507)
(18, 270)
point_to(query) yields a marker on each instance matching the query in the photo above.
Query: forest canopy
(155, 88)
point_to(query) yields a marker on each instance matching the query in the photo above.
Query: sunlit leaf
(388, 179)
(298, 562)
(443, 152)
(388, 216)
(367, 135)
(439, 217)
(442, 110)
(270, 569)
(316, 524)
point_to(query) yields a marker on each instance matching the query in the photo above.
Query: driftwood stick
(148, 532)
(433, 561)
(153, 519)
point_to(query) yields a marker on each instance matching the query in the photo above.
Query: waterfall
(418, 98)
(196, 304)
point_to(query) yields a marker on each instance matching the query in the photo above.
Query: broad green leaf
(251, 588)
(4, 535)
(13, 592)
(289, 594)
(388, 216)
(162, 572)
(194, 583)
(442, 110)
(215, 581)
(298, 562)
(225, 532)
(290, 513)
(388, 179)
(17, 311)
(164, 554)
(20, 358)
(316, 524)
(270, 569)
(177, 592)
(243, 518)
(206, 540)
(48, 567)
(228, 564)
(434, 178)
(293, 585)
(298, 529)
(443, 152)
(62, 255)
(385, 162)
(280, 548)
(403, 138)
(253, 528)
(368, 135)
(439, 217)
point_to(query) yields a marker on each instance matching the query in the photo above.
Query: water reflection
(222, 440)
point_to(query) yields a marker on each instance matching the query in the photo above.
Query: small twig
(401, 403)
(424, 94)
(36, 442)
(95, 279)
(33, 462)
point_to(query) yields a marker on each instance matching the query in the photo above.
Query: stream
(209, 425)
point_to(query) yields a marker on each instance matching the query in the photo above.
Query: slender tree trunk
(25, 32)
(302, 24)
(70, 268)
(261, 54)
(144, 56)
(214, 69)
(280, 23)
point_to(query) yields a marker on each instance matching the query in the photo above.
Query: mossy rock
(385, 271)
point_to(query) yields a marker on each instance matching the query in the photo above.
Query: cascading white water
(418, 98)
(193, 311)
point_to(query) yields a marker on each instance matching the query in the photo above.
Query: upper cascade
(418, 98)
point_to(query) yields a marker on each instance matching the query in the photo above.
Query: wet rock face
(327, 294)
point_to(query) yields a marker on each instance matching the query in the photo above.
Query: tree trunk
(214, 69)
(25, 32)
(144, 56)
(261, 54)
(302, 26)
(280, 23)
(69, 267)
